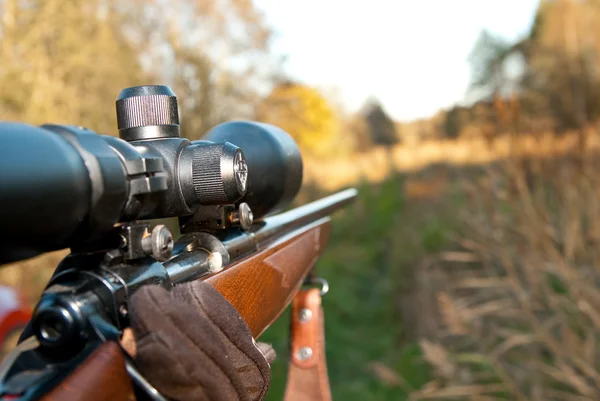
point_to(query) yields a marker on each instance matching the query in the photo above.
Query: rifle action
(147, 208)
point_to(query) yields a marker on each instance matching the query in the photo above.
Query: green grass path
(373, 247)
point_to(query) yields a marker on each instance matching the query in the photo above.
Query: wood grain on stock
(102, 376)
(262, 285)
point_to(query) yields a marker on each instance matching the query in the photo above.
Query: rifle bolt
(304, 353)
(305, 315)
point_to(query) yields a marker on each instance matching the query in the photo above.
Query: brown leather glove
(191, 344)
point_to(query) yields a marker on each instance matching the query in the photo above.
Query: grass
(522, 322)
(373, 164)
(509, 254)
(374, 248)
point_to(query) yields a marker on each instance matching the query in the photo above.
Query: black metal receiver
(65, 186)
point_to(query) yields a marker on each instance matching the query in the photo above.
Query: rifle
(146, 208)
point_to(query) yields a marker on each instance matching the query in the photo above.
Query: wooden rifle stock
(263, 284)
(259, 287)
(102, 376)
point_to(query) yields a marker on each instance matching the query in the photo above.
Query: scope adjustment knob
(217, 171)
(147, 112)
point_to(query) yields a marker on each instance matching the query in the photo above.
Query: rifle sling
(307, 374)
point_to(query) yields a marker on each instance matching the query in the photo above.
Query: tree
(381, 126)
(560, 58)
(64, 62)
(358, 130)
(214, 53)
(304, 114)
(454, 122)
(487, 59)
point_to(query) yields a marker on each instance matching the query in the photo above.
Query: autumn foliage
(304, 114)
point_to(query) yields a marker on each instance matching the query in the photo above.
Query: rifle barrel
(192, 264)
(242, 243)
(303, 215)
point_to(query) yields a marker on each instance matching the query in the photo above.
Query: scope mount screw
(159, 243)
(243, 216)
(304, 353)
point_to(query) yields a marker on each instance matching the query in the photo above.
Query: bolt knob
(147, 112)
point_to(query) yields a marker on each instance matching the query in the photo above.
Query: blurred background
(468, 268)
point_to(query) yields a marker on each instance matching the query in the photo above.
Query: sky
(412, 55)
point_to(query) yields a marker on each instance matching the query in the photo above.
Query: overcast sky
(412, 55)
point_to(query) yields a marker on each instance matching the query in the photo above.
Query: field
(369, 265)
(468, 274)
(465, 270)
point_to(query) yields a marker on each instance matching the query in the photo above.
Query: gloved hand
(191, 344)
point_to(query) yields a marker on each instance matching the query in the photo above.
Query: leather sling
(307, 373)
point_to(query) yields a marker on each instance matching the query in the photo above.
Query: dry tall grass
(521, 315)
(374, 166)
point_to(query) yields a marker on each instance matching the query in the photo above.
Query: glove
(191, 344)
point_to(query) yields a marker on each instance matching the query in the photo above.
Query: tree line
(65, 61)
(549, 80)
(546, 81)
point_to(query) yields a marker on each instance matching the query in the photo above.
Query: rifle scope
(64, 186)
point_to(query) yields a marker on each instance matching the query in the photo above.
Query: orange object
(14, 316)
(307, 374)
